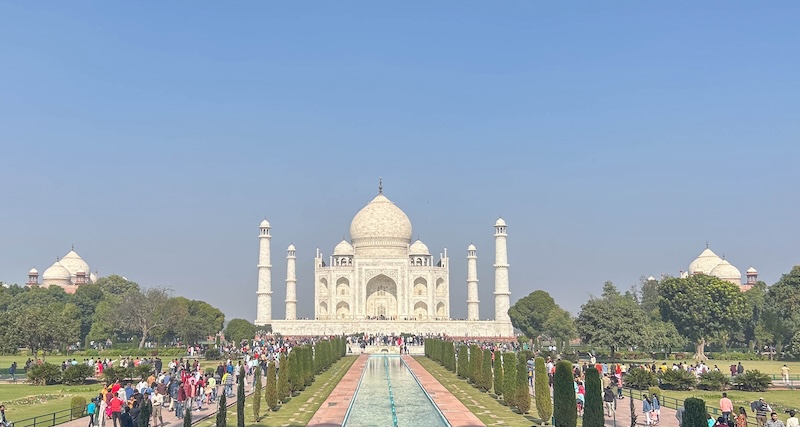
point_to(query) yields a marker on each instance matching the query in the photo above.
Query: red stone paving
(333, 410)
(453, 410)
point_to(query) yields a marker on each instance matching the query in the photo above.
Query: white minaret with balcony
(501, 289)
(473, 304)
(264, 293)
(291, 284)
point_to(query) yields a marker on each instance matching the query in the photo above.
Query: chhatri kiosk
(381, 282)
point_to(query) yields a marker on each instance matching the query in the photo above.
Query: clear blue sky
(616, 138)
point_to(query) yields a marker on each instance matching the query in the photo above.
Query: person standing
(91, 408)
(116, 409)
(158, 402)
(741, 419)
(774, 421)
(3, 421)
(13, 371)
(726, 407)
(679, 415)
(792, 421)
(785, 374)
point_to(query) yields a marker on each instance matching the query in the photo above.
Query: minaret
(291, 285)
(264, 294)
(472, 284)
(501, 290)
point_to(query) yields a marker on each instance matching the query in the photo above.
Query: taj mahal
(381, 282)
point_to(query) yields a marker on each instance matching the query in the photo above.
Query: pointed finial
(706, 244)
(380, 185)
(73, 246)
(723, 255)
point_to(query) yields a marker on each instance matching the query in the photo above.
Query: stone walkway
(623, 415)
(453, 410)
(333, 410)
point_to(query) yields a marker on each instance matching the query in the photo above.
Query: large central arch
(381, 298)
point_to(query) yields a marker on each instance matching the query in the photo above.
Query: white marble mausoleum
(381, 282)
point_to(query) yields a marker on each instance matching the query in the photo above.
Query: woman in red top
(116, 408)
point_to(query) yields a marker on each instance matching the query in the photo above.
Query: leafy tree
(145, 311)
(105, 323)
(86, 298)
(271, 394)
(257, 394)
(523, 399)
(47, 327)
(510, 377)
(530, 313)
(564, 409)
(783, 298)
(612, 321)
(560, 326)
(222, 412)
(544, 406)
(593, 406)
(116, 285)
(240, 398)
(700, 307)
(648, 298)
(658, 335)
(239, 329)
(694, 414)
(197, 319)
(283, 378)
(498, 373)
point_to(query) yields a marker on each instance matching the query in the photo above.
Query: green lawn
(780, 400)
(487, 409)
(25, 401)
(765, 366)
(299, 410)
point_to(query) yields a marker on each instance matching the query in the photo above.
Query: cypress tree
(463, 361)
(498, 373)
(523, 398)
(564, 409)
(593, 401)
(475, 359)
(222, 412)
(486, 370)
(187, 416)
(510, 377)
(271, 395)
(257, 394)
(544, 406)
(309, 374)
(694, 414)
(283, 378)
(240, 398)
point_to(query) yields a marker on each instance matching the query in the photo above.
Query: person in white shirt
(158, 402)
(792, 421)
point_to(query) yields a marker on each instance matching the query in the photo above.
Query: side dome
(418, 248)
(705, 262)
(380, 223)
(726, 271)
(343, 248)
(57, 272)
(74, 263)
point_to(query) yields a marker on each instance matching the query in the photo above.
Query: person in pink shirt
(726, 407)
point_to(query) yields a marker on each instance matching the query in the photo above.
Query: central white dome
(74, 263)
(705, 262)
(380, 223)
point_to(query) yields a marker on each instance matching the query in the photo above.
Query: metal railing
(673, 403)
(49, 420)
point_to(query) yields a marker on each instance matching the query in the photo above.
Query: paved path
(453, 410)
(333, 410)
(623, 415)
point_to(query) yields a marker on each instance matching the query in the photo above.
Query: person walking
(609, 401)
(726, 407)
(785, 374)
(158, 402)
(656, 409)
(3, 421)
(761, 408)
(116, 409)
(679, 415)
(647, 408)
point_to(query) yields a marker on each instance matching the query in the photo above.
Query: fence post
(54, 418)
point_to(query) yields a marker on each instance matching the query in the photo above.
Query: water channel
(388, 395)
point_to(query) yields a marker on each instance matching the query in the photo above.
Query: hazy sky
(615, 138)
